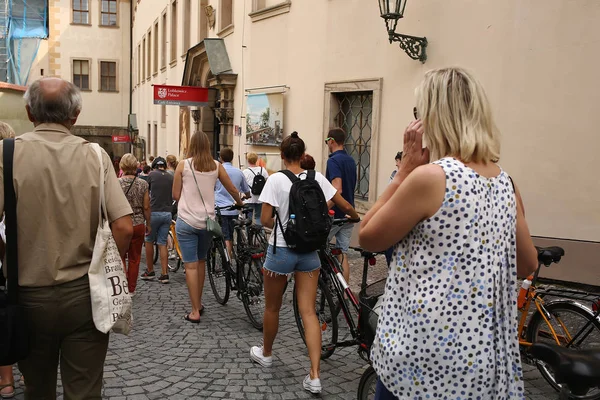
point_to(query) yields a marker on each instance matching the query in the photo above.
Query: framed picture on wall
(264, 119)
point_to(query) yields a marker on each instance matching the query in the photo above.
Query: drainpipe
(130, 72)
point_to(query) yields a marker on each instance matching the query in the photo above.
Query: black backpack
(308, 204)
(258, 183)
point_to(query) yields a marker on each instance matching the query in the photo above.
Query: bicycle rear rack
(569, 294)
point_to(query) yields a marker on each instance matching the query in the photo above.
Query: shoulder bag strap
(132, 182)
(250, 169)
(311, 174)
(198, 187)
(10, 210)
(102, 202)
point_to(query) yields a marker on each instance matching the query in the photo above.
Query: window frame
(88, 11)
(261, 12)
(155, 66)
(149, 54)
(186, 23)
(173, 34)
(116, 62)
(164, 29)
(225, 30)
(373, 85)
(89, 61)
(109, 13)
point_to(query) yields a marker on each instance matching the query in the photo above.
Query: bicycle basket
(367, 317)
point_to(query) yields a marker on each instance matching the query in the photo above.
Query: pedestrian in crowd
(151, 161)
(171, 164)
(462, 240)
(285, 261)
(397, 159)
(136, 191)
(307, 162)
(7, 380)
(193, 188)
(250, 173)
(54, 288)
(160, 183)
(341, 172)
(224, 199)
(145, 173)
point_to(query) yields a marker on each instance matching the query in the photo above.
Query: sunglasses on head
(328, 139)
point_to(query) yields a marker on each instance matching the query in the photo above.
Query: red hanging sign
(180, 95)
(121, 139)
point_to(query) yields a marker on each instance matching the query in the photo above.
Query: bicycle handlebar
(344, 221)
(229, 208)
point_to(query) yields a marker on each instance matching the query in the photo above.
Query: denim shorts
(160, 223)
(227, 226)
(343, 236)
(193, 243)
(286, 261)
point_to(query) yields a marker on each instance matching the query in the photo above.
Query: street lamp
(391, 12)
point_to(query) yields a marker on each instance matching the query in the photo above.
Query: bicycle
(247, 278)
(564, 321)
(331, 281)
(173, 249)
(576, 371)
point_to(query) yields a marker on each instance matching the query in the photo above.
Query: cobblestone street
(166, 357)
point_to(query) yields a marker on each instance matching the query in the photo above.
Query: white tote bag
(111, 302)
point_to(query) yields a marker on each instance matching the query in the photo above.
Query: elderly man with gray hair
(56, 178)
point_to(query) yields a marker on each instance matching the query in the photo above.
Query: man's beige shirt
(56, 179)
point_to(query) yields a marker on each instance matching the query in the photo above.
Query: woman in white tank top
(447, 328)
(197, 202)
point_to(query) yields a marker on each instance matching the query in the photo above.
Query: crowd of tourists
(450, 220)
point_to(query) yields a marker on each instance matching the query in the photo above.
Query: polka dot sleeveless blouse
(447, 327)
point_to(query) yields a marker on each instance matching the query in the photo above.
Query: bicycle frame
(333, 275)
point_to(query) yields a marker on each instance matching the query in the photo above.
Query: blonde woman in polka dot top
(447, 327)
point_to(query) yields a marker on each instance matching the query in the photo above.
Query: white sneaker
(312, 385)
(256, 355)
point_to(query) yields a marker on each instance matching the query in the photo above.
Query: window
(263, 9)
(149, 71)
(226, 14)
(108, 76)
(81, 12)
(355, 117)
(174, 31)
(163, 57)
(155, 139)
(143, 70)
(203, 21)
(108, 13)
(81, 74)
(155, 52)
(163, 116)
(139, 63)
(187, 17)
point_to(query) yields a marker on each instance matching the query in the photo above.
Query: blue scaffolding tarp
(23, 24)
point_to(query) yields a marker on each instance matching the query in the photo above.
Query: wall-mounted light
(391, 12)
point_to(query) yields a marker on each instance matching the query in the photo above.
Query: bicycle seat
(578, 369)
(549, 255)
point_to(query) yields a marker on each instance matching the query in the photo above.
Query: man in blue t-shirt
(341, 172)
(224, 199)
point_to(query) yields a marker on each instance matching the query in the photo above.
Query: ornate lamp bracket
(414, 46)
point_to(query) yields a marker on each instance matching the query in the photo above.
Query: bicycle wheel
(239, 242)
(567, 319)
(367, 385)
(155, 254)
(325, 308)
(250, 281)
(219, 278)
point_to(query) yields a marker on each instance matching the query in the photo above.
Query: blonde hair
(252, 158)
(6, 131)
(457, 116)
(199, 151)
(128, 164)
(172, 161)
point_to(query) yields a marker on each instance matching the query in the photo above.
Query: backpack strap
(250, 169)
(311, 174)
(10, 210)
(291, 176)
